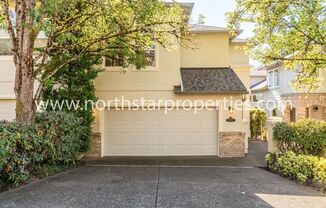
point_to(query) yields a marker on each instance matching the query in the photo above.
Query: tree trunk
(23, 47)
(24, 90)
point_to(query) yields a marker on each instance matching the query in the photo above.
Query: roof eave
(211, 92)
(208, 31)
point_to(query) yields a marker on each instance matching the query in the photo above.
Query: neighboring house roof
(239, 40)
(210, 80)
(262, 85)
(199, 28)
(270, 66)
(257, 73)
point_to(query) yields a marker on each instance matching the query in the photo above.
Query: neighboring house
(296, 104)
(218, 69)
(258, 85)
(257, 76)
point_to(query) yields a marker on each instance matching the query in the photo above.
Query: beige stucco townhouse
(218, 69)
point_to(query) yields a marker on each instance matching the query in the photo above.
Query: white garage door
(144, 132)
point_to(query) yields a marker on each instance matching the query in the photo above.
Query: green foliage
(53, 141)
(107, 28)
(306, 169)
(291, 31)
(62, 133)
(74, 83)
(257, 122)
(306, 136)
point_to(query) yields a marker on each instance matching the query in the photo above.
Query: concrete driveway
(164, 182)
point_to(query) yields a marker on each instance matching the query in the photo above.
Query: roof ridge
(186, 68)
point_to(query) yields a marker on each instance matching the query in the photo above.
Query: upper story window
(273, 78)
(118, 60)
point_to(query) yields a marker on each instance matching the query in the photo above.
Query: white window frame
(271, 75)
(146, 68)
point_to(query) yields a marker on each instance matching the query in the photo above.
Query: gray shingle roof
(205, 28)
(210, 80)
(239, 40)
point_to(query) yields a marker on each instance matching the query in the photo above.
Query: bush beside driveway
(52, 144)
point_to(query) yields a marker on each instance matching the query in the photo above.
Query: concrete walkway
(164, 182)
(257, 150)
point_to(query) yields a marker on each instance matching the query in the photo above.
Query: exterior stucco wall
(238, 55)
(243, 74)
(256, 79)
(212, 51)
(164, 77)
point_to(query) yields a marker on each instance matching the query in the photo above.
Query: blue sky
(214, 11)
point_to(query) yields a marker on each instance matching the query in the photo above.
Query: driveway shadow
(257, 150)
(183, 161)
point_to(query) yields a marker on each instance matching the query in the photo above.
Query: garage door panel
(180, 149)
(112, 148)
(153, 149)
(125, 138)
(156, 133)
(140, 125)
(140, 138)
(125, 149)
(166, 124)
(154, 125)
(139, 149)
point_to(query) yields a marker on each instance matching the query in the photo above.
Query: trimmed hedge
(51, 144)
(306, 169)
(306, 136)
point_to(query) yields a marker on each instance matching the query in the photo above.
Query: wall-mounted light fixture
(230, 119)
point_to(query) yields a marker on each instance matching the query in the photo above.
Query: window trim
(273, 77)
(132, 68)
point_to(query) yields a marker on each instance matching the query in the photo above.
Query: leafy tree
(104, 27)
(292, 32)
(74, 83)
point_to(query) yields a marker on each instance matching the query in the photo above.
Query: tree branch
(10, 27)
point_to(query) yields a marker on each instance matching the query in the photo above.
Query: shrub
(76, 85)
(53, 141)
(306, 136)
(306, 169)
(257, 122)
(63, 134)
